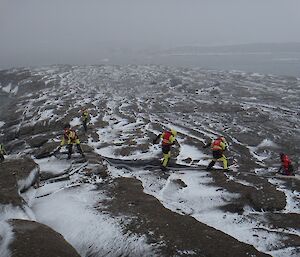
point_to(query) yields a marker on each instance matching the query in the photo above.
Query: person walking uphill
(168, 139)
(85, 117)
(2, 152)
(71, 138)
(286, 165)
(218, 146)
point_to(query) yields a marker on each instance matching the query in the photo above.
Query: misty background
(256, 35)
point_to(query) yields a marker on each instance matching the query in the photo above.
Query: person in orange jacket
(168, 138)
(218, 146)
(286, 165)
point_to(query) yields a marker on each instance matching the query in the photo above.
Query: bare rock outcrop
(16, 176)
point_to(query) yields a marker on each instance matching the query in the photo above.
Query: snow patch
(10, 90)
(15, 90)
(267, 143)
(253, 152)
(292, 197)
(75, 122)
(7, 89)
(6, 237)
(288, 252)
(73, 213)
(53, 165)
(187, 151)
(47, 114)
(24, 184)
(202, 201)
(10, 211)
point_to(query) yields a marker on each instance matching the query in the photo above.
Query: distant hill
(241, 48)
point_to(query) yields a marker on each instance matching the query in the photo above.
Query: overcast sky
(35, 32)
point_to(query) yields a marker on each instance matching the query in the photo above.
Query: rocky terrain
(119, 202)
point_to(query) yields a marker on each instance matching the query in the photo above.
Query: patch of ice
(2, 123)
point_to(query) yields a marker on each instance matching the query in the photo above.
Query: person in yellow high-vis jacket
(85, 117)
(218, 146)
(71, 138)
(168, 138)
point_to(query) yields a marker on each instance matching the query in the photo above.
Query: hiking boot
(210, 165)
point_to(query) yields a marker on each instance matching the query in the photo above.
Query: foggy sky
(37, 32)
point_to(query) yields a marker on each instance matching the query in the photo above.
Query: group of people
(69, 138)
(218, 146)
(168, 138)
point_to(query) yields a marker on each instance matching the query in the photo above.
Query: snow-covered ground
(257, 113)
(6, 238)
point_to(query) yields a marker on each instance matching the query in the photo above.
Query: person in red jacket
(218, 147)
(286, 165)
(168, 138)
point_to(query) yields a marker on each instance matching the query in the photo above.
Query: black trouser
(289, 170)
(218, 155)
(1, 157)
(84, 123)
(70, 150)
